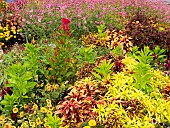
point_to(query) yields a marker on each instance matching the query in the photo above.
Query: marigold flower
(43, 110)
(47, 126)
(51, 108)
(49, 105)
(48, 101)
(15, 110)
(7, 125)
(21, 114)
(25, 106)
(32, 124)
(35, 106)
(38, 121)
(2, 119)
(92, 123)
(49, 112)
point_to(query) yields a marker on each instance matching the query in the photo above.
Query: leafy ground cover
(84, 64)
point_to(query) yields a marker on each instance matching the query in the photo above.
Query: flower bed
(84, 64)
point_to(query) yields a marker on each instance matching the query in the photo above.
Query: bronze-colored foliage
(117, 60)
(166, 92)
(85, 71)
(111, 40)
(147, 31)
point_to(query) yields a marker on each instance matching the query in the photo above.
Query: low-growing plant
(142, 74)
(8, 102)
(53, 121)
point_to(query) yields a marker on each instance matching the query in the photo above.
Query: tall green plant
(20, 79)
(143, 73)
(144, 56)
(86, 54)
(103, 71)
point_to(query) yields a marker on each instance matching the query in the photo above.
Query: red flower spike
(65, 21)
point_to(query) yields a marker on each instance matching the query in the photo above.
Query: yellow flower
(51, 108)
(38, 121)
(13, 127)
(55, 86)
(49, 105)
(35, 106)
(32, 124)
(2, 119)
(25, 106)
(49, 112)
(15, 110)
(48, 101)
(43, 110)
(42, 84)
(15, 37)
(92, 123)
(47, 126)
(7, 125)
(21, 114)
(45, 119)
(86, 127)
(14, 32)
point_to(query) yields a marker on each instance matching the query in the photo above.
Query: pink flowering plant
(41, 18)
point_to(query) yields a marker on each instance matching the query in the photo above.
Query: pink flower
(67, 60)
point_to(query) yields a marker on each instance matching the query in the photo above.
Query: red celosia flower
(65, 21)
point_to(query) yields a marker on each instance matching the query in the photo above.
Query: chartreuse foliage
(20, 79)
(126, 105)
(53, 121)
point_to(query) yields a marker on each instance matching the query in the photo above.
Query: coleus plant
(76, 108)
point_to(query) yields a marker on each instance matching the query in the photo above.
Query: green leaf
(97, 76)
(31, 85)
(4, 102)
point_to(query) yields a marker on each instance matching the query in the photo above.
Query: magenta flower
(67, 60)
(65, 25)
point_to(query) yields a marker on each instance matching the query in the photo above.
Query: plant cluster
(77, 105)
(110, 40)
(146, 31)
(56, 63)
(10, 32)
(119, 77)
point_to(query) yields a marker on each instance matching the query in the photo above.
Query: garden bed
(84, 64)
